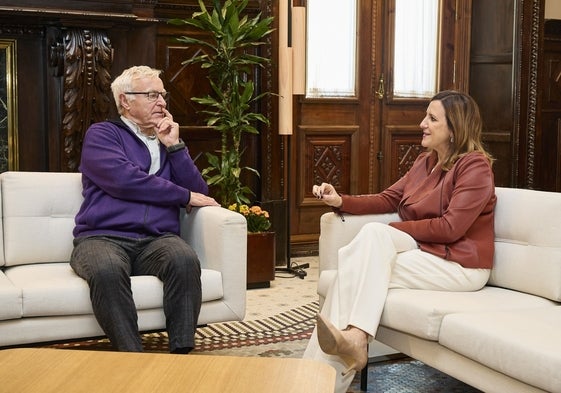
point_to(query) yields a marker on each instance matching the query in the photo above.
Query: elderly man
(136, 175)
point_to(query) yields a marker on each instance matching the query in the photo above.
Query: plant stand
(260, 259)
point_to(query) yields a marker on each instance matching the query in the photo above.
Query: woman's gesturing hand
(326, 192)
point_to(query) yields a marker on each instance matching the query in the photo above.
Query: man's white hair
(123, 82)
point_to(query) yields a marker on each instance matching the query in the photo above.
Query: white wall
(552, 9)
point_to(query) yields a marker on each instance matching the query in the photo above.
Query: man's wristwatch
(177, 147)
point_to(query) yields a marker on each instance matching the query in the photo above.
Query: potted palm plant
(227, 57)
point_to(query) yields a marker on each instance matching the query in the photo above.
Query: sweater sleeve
(185, 173)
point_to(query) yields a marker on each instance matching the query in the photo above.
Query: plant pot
(260, 259)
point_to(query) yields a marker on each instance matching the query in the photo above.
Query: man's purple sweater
(120, 197)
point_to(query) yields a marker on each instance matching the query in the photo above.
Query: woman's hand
(327, 193)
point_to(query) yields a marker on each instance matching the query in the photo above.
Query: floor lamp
(292, 65)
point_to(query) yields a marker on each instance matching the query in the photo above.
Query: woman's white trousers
(379, 258)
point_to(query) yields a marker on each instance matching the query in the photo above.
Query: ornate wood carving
(21, 30)
(268, 172)
(326, 153)
(533, 93)
(328, 160)
(87, 57)
(407, 153)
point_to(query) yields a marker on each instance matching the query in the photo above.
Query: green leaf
(230, 59)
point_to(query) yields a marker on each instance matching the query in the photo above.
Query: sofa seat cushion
(10, 299)
(420, 312)
(50, 289)
(523, 344)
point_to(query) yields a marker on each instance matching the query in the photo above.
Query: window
(415, 48)
(331, 48)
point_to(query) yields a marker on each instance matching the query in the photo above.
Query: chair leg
(364, 374)
(364, 378)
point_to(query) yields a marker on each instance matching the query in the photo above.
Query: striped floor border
(295, 324)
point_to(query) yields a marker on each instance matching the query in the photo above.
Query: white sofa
(42, 299)
(503, 338)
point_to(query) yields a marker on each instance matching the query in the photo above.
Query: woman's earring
(451, 138)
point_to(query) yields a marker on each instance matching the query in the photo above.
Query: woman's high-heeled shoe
(332, 342)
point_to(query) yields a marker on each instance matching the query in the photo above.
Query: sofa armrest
(219, 237)
(336, 233)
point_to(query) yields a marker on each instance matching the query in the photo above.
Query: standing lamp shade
(299, 50)
(285, 91)
(292, 60)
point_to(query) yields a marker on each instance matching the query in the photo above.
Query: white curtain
(415, 48)
(331, 48)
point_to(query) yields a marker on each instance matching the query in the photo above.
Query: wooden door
(399, 119)
(364, 143)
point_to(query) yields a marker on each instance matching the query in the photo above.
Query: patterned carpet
(278, 323)
(267, 337)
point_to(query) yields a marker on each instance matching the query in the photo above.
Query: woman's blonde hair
(123, 82)
(464, 120)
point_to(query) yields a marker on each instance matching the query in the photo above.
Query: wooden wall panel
(185, 82)
(550, 108)
(491, 87)
(491, 80)
(325, 156)
(32, 95)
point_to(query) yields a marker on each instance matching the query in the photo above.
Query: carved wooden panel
(326, 154)
(86, 57)
(328, 163)
(404, 145)
(323, 154)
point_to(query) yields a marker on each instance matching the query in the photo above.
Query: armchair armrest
(219, 237)
(336, 233)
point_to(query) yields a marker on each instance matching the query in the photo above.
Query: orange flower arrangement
(257, 218)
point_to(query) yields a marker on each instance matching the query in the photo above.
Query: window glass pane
(415, 48)
(331, 48)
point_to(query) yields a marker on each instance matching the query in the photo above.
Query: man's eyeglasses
(151, 95)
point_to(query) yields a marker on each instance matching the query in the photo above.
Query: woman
(444, 240)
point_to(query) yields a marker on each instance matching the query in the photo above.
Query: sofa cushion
(420, 312)
(54, 289)
(527, 242)
(39, 210)
(10, 299)
(523, 344)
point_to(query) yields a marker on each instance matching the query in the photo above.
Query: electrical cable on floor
(295, 270)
